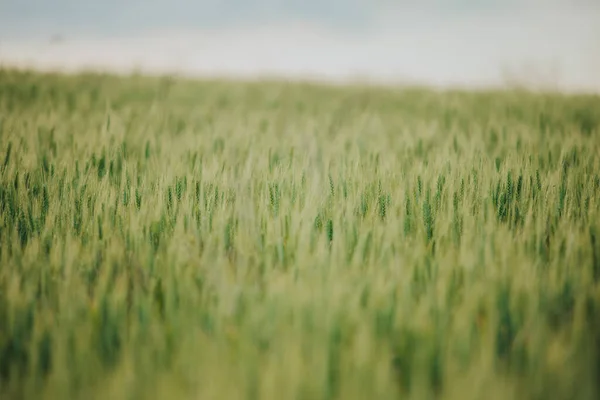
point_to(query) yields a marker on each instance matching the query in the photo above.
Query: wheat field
(211, 239)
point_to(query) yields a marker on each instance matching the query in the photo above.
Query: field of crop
(165, 238)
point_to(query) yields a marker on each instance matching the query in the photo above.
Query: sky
(438, 42)
(110, 16)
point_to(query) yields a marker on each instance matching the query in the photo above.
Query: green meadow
(165, 238)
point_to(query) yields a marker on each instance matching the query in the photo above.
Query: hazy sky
(466, 42)
(102, 17)
(20, 16)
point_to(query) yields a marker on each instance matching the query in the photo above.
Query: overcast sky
(437, 41)
(109, 17)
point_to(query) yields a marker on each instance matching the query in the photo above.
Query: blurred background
(551, 44)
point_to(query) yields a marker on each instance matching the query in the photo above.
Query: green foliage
(165, 238)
